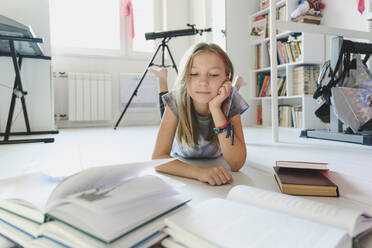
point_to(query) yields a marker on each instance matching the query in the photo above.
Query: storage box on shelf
(295, 50)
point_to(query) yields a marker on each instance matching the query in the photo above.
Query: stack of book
(110, 206)
(304, 178)
(305, 79)
(252, 217)
(309, 18)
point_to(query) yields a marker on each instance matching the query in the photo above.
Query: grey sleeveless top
(204, 149)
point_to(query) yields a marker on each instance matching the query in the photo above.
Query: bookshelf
(297, 49)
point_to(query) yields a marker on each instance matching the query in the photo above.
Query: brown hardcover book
(304, 182)
(309, 19)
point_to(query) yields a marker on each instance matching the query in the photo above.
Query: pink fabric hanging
(361, 6)
(128, 11)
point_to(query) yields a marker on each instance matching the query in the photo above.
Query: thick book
(301, 165)
(304, 182)
(252, 217)
(308, 19)
(105, 203)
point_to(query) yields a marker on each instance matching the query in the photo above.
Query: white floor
(76, 149)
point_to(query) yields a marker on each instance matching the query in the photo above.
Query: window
(99, 27)
(143, 13)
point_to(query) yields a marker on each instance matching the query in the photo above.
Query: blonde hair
(188, 130)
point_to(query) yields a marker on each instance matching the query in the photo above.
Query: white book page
(98, 177)
(120, 196)
(222, 223)
(27, 194)
(312, 210)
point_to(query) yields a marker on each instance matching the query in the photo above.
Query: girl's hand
(216, 175)
(222, 94)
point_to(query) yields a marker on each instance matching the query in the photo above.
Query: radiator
(89, 96)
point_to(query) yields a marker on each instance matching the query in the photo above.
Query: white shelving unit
(312, 52)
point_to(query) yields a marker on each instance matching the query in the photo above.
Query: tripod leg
(10, 118)
(13, 100)
(170, 55)
(23, 101)
(138, 85)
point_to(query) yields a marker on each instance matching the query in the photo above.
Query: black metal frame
(339, 46)
(17, 64)
(163, 45)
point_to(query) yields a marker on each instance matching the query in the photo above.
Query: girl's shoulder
(170, 99)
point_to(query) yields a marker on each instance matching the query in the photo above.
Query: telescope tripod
(163, 45)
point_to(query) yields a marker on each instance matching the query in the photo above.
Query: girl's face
(207, 75)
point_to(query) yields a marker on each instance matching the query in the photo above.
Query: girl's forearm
(234, 155)
(179, 168)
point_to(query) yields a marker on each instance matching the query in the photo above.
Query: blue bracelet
(230, 131)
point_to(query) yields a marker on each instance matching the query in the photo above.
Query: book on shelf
(258, 52)
(297, 116)
(265, 84)
(258, 29)
(281, 84)
(305, 79)
(290, 116)
(259, 114)
(260, 218)
(283, 87)
(260, 78)
(93, 202)
(280, 15)
(308, 18)
(285, 116)
(309, 182)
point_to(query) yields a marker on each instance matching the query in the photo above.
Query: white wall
(176, 17)
(35, 73)
(344, 14)
(237, 34)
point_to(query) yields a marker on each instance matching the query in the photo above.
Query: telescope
(175, 33)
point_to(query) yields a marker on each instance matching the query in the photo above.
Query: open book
(253, 217)
(105, 203)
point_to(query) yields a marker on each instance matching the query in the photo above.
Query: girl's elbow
(235, 167)
(237, 164)
(159, 156)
